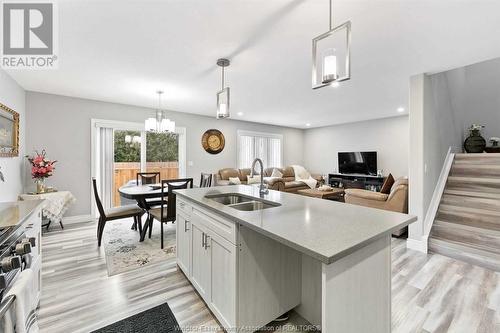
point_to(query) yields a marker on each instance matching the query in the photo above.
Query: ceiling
(123, 51)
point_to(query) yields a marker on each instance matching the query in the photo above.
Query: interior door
(200, 259)
(183, 243)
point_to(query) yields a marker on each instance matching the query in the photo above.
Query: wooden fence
(126, 171)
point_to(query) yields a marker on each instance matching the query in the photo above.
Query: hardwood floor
(431, 293)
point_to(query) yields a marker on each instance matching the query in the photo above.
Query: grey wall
(453, 100)
(13, 96)
(61, 125)
(389, 137)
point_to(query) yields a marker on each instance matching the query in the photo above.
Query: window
(266, 146)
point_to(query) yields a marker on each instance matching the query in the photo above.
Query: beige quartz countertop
(14, 213)
(326, 230)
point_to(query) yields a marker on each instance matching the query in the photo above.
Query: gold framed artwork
(9, 132)
(213, 141)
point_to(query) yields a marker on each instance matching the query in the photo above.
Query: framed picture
(9, 132)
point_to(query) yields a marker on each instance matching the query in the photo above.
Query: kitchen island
(254, 257)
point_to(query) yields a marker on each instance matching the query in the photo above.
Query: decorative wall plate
(213, 141)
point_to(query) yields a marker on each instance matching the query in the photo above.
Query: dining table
(144, 195)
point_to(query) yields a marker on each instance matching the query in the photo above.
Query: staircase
(467, 224)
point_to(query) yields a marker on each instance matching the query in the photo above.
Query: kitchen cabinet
(184, 231)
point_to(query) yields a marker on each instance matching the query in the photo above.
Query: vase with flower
(41, 169)
(475, 143)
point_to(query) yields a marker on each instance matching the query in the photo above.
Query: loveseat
(286, 183)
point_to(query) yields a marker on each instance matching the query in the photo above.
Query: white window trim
(95, 124)
(240, 133)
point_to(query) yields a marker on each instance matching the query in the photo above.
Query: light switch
(190, 163)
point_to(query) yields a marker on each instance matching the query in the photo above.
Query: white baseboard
(77, 219)
(417, 245)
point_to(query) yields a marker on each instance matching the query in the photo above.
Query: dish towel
(302, 175)
(23, 307)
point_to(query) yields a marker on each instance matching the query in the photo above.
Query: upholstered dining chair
(167, 211)
(206, 180)
(115, 213)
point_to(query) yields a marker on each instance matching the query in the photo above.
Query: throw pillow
(234, 181)
(277, 174)
(386, 188)
(253, 180)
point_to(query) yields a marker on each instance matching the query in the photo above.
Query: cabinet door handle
(202, 239)
(185, 225)
(207, 237)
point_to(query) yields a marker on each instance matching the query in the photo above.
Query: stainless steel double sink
(242, 202)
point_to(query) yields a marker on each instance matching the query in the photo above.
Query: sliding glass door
(120, 150)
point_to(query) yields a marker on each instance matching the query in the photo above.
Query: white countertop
(326, 230)
(14, 213)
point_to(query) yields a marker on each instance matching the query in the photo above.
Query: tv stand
(366, 182)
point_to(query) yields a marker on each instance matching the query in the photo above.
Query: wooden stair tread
(471, 202)
(461, 209)
(469, 193)
(465, 253)
(478, 238)
(474, 180)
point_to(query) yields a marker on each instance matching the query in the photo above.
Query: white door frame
(95, 124)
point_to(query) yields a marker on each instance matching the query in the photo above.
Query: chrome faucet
(263, 187)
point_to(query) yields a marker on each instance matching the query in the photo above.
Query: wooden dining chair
(147, 178)
(206, 180)
(116, 213)
(167, 211)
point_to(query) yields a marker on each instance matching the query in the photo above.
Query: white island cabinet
(226, 262)
(329, 261)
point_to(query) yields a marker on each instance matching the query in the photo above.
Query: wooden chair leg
(150, 226)
(161, 224)
(139, 223)
(101, 232)
(98, 227)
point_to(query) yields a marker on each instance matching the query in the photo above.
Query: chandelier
(160, 123)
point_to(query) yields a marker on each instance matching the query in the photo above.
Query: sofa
(286, 183)
(396, 200)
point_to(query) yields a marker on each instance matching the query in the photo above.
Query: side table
(333, 194)
(55, 205)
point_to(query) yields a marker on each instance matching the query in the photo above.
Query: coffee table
(333, 194)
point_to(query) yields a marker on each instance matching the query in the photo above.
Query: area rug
(124, 252)
(159, 319)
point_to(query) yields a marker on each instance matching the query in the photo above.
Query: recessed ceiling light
(240, 114)
(308, 125)
(401, 109)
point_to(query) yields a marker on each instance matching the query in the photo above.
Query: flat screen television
(364, 163)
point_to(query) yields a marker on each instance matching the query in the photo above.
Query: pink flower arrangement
(40, 166)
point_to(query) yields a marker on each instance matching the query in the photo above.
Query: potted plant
(475, 143)
(41, 168)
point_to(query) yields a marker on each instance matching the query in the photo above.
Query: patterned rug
(124, 252)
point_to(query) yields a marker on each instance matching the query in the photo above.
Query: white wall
(61, 125)
(389, 137)
(13, 96)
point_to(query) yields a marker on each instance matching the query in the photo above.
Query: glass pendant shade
(331, 56)
(329, 66)
(150, 125)
(223, 103)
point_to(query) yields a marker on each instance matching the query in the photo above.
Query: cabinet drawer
(183, 206)
(224, 228)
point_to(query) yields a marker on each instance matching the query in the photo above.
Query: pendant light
(331, 53)
(160, 123)
(223, 94)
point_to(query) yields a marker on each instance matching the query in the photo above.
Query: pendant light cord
(222, 78)
(331, 15)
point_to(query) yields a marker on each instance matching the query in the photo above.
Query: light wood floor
(431, 293)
